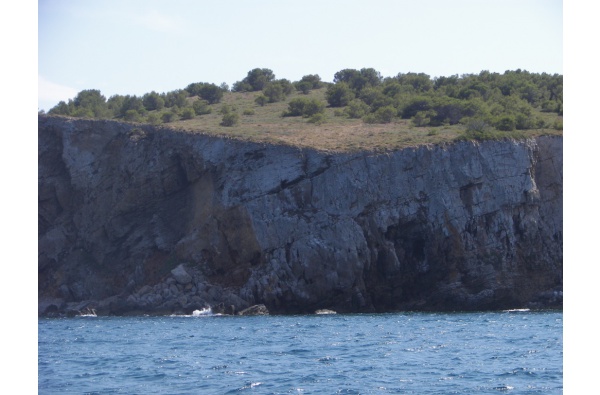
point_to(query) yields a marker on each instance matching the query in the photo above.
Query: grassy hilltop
(359, 110)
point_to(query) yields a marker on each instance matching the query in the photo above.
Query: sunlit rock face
(461, 226)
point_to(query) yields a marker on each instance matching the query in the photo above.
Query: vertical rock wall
(456, 227)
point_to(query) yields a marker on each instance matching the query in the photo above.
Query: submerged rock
(324, 312)
(259, 309)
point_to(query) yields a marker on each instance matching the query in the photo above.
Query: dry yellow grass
(338, 133)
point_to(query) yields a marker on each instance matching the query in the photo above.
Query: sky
(138, 46)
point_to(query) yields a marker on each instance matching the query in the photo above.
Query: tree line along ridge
(486, 104)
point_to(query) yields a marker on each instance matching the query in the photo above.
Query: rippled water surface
(473, 353)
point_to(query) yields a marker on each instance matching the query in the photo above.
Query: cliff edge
(139, 219)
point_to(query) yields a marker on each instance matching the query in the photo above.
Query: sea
(506, 352)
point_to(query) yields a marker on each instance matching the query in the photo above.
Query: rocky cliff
(138, 219)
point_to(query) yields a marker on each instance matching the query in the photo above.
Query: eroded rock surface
(138, 219)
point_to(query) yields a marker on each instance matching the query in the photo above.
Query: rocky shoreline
(184, 291)
(181, 292)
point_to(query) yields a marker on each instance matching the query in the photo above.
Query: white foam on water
(88, 313)
(203, 312)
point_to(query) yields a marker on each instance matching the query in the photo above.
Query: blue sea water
(409, 353)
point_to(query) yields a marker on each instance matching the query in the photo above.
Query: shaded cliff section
(135, 219)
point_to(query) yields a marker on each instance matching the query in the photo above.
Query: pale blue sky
(137, 46)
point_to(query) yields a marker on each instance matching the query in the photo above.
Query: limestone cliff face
(462, 226)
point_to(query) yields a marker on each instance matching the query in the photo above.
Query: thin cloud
(50, 92)
(156, 21)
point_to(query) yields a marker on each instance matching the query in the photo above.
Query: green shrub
(226, 109)
(313, 107)
(302, 106)
(230, 119)
(62, 108)
(256, 80)
(90, 101)
(318, 118)
(168, 116)
(358, 80)
(558, 124)
(373, 96)
(153, 101)
(153, 118)
(523, 122)
(303, 86)
(201, 107)
(550, 106)
(357, 109)
(188, 113)
(386, 114)
(295, 108)
(476, 125)
(211, 93)
(506, 123)
(314, 80)
(370, 118)
(248, 111)
(261, 100)
(540, 123)
(277, 90)
(423, 118)
(274, 92)
(176, 98)
(416, 104)
(132, 116)
(339, 95)
(382, 115)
